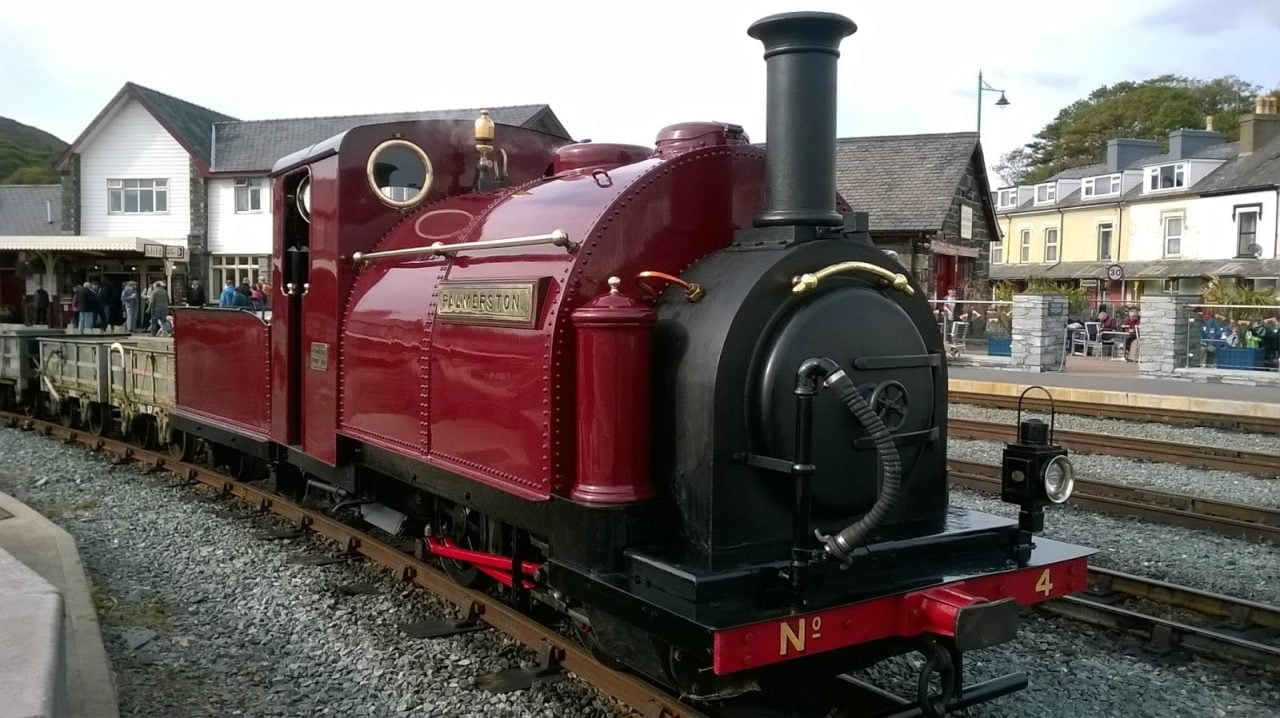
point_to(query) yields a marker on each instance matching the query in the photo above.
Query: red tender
(223, 369)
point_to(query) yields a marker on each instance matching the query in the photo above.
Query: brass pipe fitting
(808, 282)
(693, 292)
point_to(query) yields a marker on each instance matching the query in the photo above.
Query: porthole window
(399, 173)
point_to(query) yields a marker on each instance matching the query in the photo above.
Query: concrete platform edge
(85, 687)
(1123, 398)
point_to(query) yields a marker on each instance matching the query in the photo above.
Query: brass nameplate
(507, 303)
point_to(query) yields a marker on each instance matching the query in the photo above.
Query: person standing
(82, 302)
(159, 311)
(41, 306)
(196, 297)
(129, 298)
(228, 296)
(240, 299)
(1131, 324)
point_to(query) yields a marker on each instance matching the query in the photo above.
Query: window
(1051, 244)
(1172, 236)
(1100, 186)
(137, 196)
(1007, 199)
(399, 173)
(1024, 246)
(240, 269)
(249, 195)
(1166, 177)
(1105, 232)
(1046, 193)
(997, 252)
(1171, 286)
(1247, 230)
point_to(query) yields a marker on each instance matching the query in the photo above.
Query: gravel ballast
(1172, 478)
(200, 619)
(1198, 559)
(1195, 435)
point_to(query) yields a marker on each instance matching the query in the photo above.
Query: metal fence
(1234, 337)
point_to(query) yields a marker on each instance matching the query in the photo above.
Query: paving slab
(52, 660)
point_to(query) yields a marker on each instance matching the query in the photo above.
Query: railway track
(1253, 523)
(1255, 463)
(1100, 606)
(550, 645)
(1202, 622)
(1181, 417)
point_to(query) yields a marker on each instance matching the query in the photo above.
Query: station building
(156, 187)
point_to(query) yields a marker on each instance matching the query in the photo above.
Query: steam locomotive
(673, 392)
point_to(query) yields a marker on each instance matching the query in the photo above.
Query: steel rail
(1230, 643)
(1255, 463)
(1253, 523)
(1180, 417)
(644, 698)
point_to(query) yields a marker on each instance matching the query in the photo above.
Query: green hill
(27, 154)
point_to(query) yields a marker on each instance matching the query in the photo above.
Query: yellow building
(1071, 227)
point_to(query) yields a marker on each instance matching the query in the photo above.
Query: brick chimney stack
(1262, 126)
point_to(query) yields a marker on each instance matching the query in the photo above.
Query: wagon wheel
(142, 431)
(181, 445)
(99, 416)
(67, 413)
(235, 463)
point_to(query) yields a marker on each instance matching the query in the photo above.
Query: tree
(20, 165)
(1149, 109)
(1013, 166)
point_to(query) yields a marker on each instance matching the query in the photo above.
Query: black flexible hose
(843, 544)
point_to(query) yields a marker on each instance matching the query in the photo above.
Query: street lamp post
(984, 87)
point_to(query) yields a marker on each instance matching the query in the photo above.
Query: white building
(186, 187)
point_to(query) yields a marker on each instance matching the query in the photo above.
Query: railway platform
(1119, 385)
(52, 659)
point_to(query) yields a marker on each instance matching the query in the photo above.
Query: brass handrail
(808, 282)
(558, 238)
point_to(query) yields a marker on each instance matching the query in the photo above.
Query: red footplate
(939, 610)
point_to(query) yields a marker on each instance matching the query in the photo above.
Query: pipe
(800, 51)
(843, 544)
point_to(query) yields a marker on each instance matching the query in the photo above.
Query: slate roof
(191, 124)
(23, 211)
(222, 143)
(253, 146)
(906, 182)
(1260, 169)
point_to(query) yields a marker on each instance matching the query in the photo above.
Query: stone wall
(198, 237)
(70, 181)
(1039, 332)
(1167, 322)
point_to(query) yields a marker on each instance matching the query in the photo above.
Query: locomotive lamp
(1035, 472)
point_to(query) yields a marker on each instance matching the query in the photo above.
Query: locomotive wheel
(181, 445)
(468, 529)
(98, 419)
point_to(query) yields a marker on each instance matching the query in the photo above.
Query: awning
(1060, 270)
(938, 246)
(1159, 269)
(175, 249)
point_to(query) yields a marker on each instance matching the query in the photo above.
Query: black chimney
(801, 49)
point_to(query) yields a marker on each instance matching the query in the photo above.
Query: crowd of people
(96, 304)
(1217, 331)
(1109, 330)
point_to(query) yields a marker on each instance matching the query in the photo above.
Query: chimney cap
(1265, 105)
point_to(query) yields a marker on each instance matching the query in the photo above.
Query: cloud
(1048, 80)
(1198, 18)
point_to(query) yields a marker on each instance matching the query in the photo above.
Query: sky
(615, 71)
